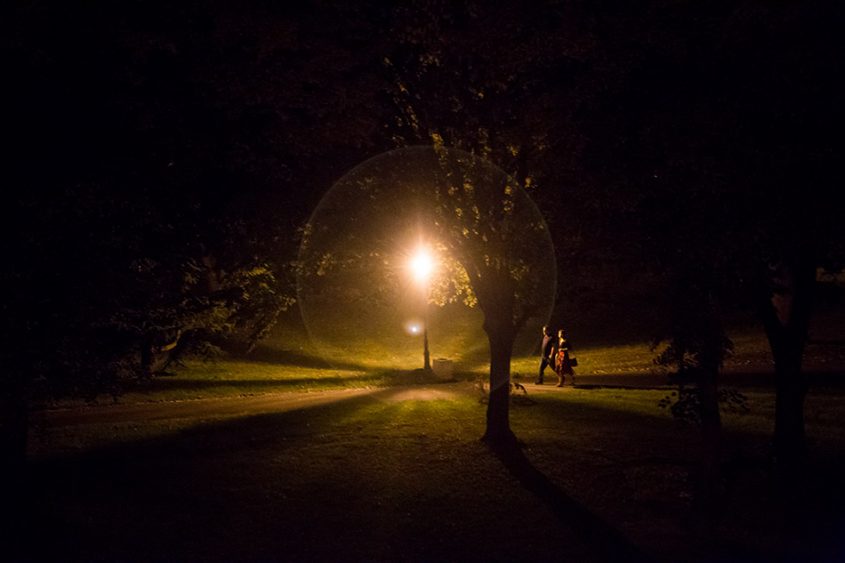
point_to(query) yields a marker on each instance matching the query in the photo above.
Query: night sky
(255, 109)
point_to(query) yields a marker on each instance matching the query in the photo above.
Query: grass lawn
(395, 471)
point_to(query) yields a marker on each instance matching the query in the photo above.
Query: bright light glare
(422, 265)
(414, 327)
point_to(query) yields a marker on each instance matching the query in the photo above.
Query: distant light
(415, 329)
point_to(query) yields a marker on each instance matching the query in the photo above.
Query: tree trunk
(147, 354)
(708, 491)
(498, 431)
(791, 388)
(786, 318)
(711, 420)
(14, 426)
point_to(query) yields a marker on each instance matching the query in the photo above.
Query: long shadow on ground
(608, 542)
(366, 479)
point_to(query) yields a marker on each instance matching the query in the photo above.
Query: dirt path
(74, 429)
(195, 409)
(232, 406)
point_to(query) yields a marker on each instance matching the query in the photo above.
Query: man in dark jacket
(547, 353)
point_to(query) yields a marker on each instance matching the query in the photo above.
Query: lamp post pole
(421, 265)
(426, 354)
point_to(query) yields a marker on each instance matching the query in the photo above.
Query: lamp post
(422, 265)
(426, 354)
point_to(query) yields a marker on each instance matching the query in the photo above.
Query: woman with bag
(563, 362)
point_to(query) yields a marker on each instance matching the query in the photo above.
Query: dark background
(159, 150)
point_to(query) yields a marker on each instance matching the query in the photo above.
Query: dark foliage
(685, 404)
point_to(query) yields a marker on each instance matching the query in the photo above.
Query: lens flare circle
(381, 246)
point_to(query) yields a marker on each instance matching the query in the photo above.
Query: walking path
(286, 401)
(195, 408)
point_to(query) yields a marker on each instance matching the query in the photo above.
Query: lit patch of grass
(233, 378)
(633, 401)
(288, 363)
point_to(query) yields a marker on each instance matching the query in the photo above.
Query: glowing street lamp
(422, 266)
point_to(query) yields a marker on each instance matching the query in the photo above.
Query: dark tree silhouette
(492, 230)
(725, 135)
(497, 82)
(154, 205)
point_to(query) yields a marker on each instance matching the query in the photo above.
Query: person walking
(563, 362)
(547, 353)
